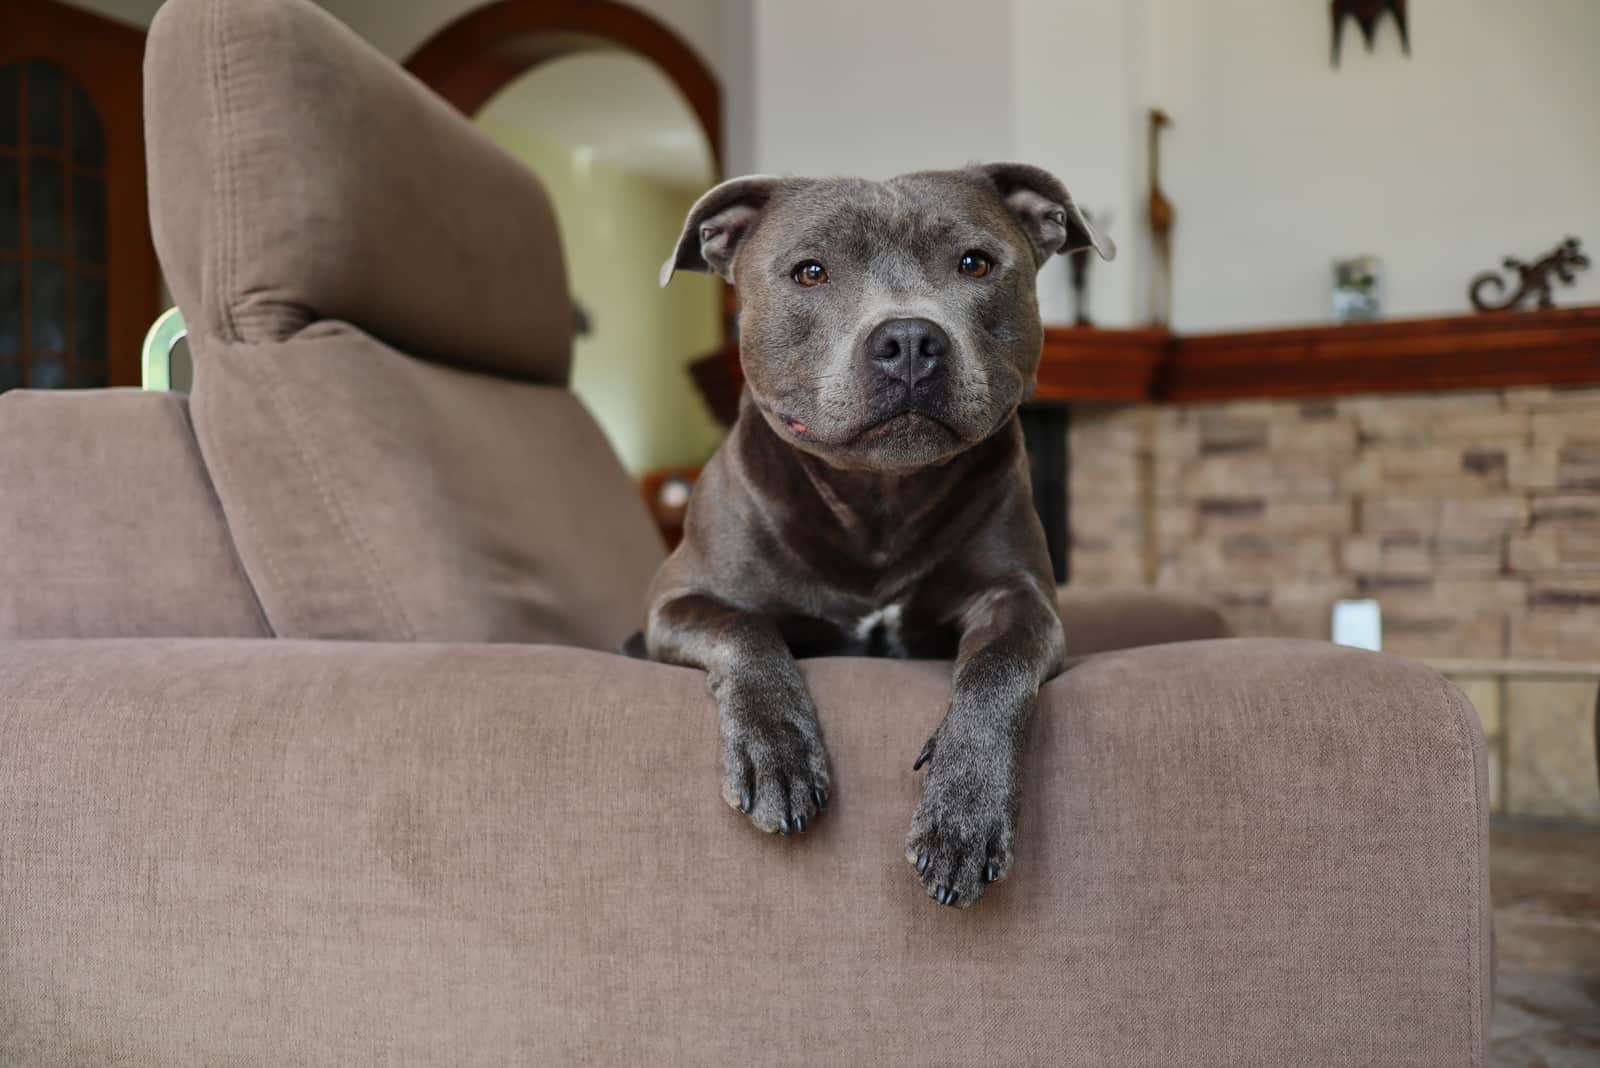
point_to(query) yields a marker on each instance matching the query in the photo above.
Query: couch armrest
(109, 527)
(1099, 620)
(250, 851)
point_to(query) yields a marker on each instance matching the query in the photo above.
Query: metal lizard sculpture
(1532, 278)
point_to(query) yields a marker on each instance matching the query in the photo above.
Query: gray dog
(873, 497)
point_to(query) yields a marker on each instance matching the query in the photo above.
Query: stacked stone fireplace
(1473, 518)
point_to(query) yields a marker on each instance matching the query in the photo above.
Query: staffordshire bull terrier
(873, 495)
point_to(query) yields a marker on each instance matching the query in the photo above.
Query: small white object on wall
(1358, 624)
(1358, 289)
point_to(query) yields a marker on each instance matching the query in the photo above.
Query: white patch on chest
(887, 617)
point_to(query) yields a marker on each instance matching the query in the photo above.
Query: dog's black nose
(908, 349)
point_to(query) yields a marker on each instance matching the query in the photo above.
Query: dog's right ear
(717, 224)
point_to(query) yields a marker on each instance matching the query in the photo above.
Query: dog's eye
(809, 273)
(975, 264)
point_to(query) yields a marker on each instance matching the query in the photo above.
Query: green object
(159, 341)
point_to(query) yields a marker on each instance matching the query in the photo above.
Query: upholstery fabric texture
(1236, 852)
(108, 523)
(373, 496)
(1099, 620)
(297, 174)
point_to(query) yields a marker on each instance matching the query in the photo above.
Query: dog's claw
(773, 763)
(962, 831)
(924, 756)
(821, 796)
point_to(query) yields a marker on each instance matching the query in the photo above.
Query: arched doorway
(483, 51)
(558, 66)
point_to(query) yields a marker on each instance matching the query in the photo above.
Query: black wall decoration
(1367, 13)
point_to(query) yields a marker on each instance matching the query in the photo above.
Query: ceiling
(615, 107)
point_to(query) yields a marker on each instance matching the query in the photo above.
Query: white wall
(738, 82)
(1484, 142)
(1079, 103)
(841, 87)
(881, 87)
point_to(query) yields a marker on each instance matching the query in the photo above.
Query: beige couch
(311, 750)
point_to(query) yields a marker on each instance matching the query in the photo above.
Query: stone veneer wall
(1472, 517)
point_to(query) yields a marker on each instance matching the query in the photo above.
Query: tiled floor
(1545, 881)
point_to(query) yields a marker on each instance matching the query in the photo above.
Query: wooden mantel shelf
(1560, 346)
(1555, 347)
(1090, 364)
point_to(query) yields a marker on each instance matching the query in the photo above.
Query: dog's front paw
(962, 832)
(775, 770)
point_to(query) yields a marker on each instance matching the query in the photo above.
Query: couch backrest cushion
(108, 524)
(375, 496)
(297, 174)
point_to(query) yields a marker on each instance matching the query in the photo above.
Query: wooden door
(78, 278)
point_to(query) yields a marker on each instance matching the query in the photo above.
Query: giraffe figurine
(1161, 219)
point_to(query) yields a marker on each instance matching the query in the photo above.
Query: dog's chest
(878, 631)
(890, 630)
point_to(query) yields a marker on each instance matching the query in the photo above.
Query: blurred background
(1345, 366)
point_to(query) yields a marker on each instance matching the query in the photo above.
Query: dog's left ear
(1045, 209)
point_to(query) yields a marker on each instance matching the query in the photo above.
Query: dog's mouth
(907, 424)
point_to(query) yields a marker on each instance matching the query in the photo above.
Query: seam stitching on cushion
(213, 58)
(216, 57)
(187, 417)
(1455, 702)
(353, 533)
(232, 200)
(228, 235)
(274, 574)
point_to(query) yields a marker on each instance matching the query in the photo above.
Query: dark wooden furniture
(1093, 364)
(1560, 346)
(666, 493)
(78, 278)
(1555, 347)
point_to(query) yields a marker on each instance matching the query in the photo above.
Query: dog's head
(887, 325)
